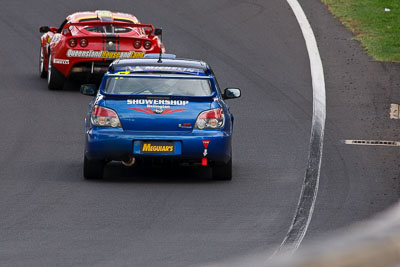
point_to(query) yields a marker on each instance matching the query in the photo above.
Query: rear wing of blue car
(164, 56)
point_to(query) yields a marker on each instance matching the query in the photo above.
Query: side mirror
(88, 89)
(157, 31)
(44, 29)
(230, 93)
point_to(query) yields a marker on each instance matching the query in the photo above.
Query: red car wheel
(55, 80)
(42, 71)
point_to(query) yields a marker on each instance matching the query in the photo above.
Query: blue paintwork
(107, 143)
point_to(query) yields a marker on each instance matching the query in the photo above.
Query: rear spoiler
(168, 97)
(115, 23)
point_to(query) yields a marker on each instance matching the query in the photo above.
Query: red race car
(87, 42)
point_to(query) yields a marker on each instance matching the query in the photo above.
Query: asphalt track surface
(178, 217)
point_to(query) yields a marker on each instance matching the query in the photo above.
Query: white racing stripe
(309, 189)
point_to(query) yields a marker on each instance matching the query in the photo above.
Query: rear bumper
(117, 144)
(82, 66)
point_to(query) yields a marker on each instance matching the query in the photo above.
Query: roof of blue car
(185, 66)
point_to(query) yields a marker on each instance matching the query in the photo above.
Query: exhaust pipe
(131, 160)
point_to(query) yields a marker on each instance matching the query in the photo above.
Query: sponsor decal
(159, 106)
(165, 147)
(103, 54)
(155, 148)
(61, 61)
(157, 103)
(185, 125)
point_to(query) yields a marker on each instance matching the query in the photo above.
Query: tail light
(83, 42)
(72, 42)
(211, 119)
(105, 117)
(147, 45)
(137, 44)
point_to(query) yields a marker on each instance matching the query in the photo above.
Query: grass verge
(377, 29)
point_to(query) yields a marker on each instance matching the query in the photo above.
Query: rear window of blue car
(129, 85)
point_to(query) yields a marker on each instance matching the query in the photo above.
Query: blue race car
(159, 111)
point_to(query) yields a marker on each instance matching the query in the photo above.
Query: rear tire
(55, 80)
(42, 71)
(222, 171)
(93, 169)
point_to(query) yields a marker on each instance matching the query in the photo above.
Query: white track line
(309, 189)
(371, 142)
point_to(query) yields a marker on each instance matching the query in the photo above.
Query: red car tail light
(137, 44)
(72, 42)
(147, 45)
(105, 117)
(83, 42)
(210, 119)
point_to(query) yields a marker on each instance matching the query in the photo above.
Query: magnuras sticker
(103, 54)
(157, 106)
(61, 61)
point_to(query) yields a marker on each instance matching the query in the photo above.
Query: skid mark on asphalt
(308, 195)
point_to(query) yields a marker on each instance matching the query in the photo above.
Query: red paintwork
(170, 110)
(206, 143)
(145, 110)
(165, 112)
(55, 42)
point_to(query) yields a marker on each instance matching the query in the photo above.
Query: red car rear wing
(115, 23)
